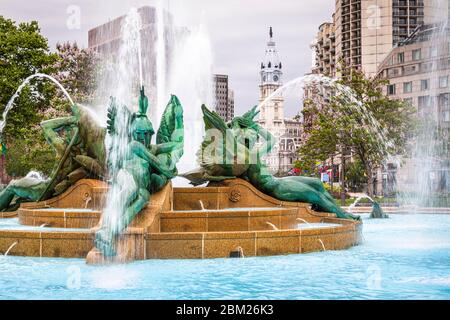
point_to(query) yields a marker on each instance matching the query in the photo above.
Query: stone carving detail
(235, 195)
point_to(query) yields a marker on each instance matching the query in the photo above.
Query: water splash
(303, 220)
(10, 248)
(202, 206)
(190, 78)
(160, 49)
(36, 175)
(274, 227)
(128, 72)
(331, 85)
(323, 246)
(427, 172)
(357, 200)
(10, 103)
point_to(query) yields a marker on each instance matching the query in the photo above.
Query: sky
(238, 31)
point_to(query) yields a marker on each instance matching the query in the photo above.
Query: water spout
(364, 196)
(202, 206)
(323, 246)
(10, 103)
(10, 247)
(88, 200)
(328, 85)
(300, 219)
(274, 227)
(44, 225)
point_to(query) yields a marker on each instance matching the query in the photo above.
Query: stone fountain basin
(174, 225)
(59, 217)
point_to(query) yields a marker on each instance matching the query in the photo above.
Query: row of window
(416, 55)
(443, 100)
(424, 85)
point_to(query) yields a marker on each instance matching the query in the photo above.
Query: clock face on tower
(275, 78)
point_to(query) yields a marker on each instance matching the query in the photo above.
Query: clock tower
(272, 112)
(287, 132)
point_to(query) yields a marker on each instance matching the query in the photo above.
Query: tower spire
(270, 33)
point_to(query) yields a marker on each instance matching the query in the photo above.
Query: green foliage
(30, 153)
(342, 124)
(23, 52)
(355, 175)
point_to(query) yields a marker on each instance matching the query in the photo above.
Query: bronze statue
(236, 150)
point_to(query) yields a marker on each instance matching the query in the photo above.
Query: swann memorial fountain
(242, 211)
(110, 196)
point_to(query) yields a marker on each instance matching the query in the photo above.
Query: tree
(23, 52)
(355, 175)
(76, 69)
(362, 122)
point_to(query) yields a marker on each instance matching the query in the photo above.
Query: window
(443, 82)
(425, 84)
(393, 72)
(424, 101)
(417, 54)
(410, 69)
(444, 100)
(407, 87)
(401, 57)
(433, 52)
(448, 49)
(391, 89)
(426, 67)
(446, 116)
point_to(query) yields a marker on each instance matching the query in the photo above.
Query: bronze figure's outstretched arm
(49, 128)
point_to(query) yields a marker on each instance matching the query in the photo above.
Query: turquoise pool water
(403, 257)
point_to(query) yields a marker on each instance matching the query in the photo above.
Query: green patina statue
(377, 212)
(144, 169)
(78, 141)
(236, 149)
(79, 144)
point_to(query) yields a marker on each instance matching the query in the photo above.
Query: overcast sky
(238, 31)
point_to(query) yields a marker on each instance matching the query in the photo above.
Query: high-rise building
(418, 70)
(324, 50)
(107, 40)
(366, 30)
(271, 117)
(369, 36)
(223, 97)
(230, 114)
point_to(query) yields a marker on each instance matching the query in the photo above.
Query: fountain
(376, 212)
(113, 201)
(10, 103)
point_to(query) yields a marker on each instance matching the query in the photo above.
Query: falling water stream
(332, 85)
(10, 103)
(160, 51)
(127, 72)
(428, 167)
